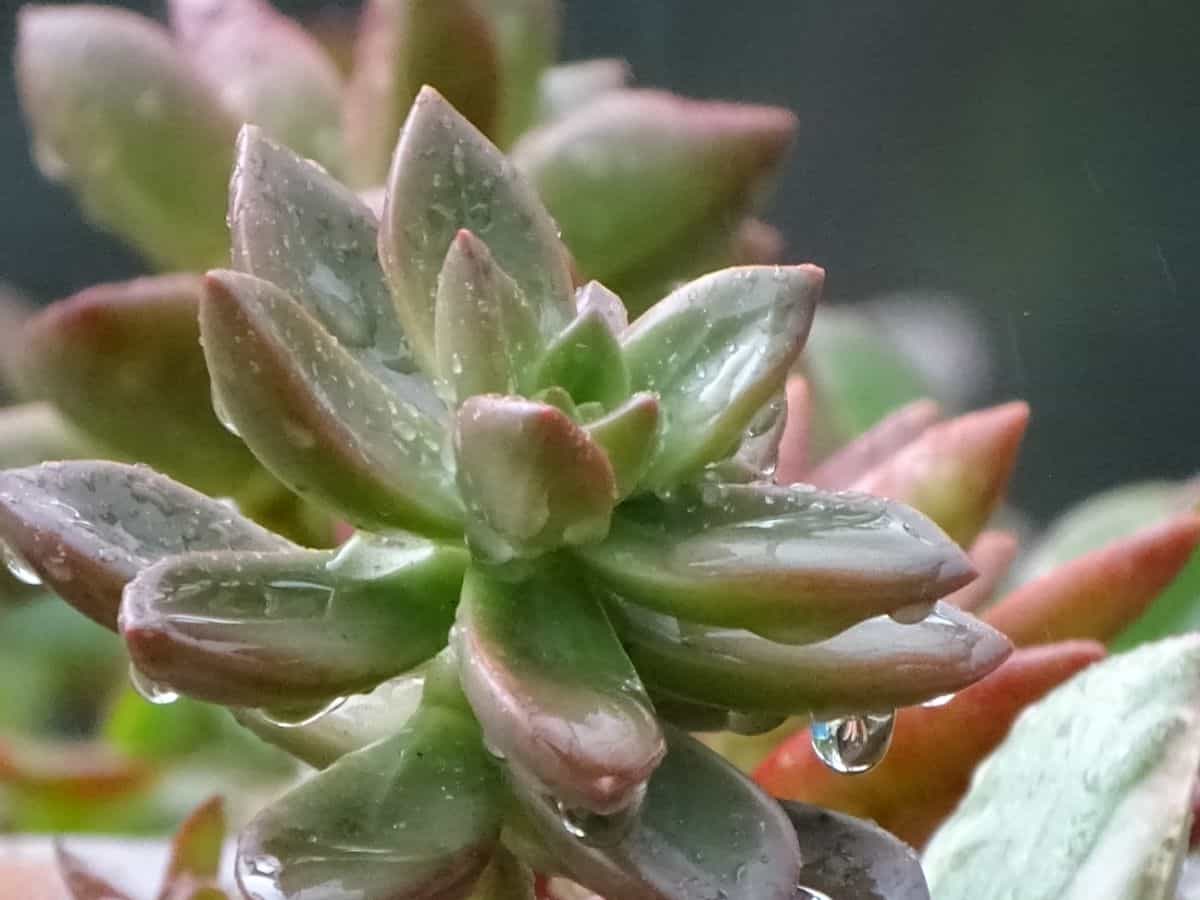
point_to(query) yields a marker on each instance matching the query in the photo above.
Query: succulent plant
(568, 547)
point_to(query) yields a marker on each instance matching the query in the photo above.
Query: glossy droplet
(911, 614)
(938, 701)
(18, 566)
(153, 691)
(807, 893)
(298, 717)
(597, 830)
(258, 877)
(222, 414)
(852, 744)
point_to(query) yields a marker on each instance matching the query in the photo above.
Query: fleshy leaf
(794, 563)
(1090, 796)
(933, 751)
(526, 33)
(447, 176)
(715, 351)
(323, 422)
(569, 86)
(600, 169)
(1102, 593)
(992, 554)
(505, 878)
(704, 831)
(852, 858)
(531, 478)
(33, 432)
(117, 115)
(403, 45)
(81, 882)
(196, 850)
(123, 361)
(629, 437)
(585, 359)
(266, 70)
(874, 446)
(956, 472)
(247, 629)
(485, 333)
(295, 226)
(86, 528)
(554, 691)
(855, 671)
(595, 297)
(416, 814)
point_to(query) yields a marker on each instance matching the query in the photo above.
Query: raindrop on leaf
(852, 744)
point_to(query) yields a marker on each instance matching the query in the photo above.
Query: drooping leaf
(629, 436)
(955, 472)
(248, 629)
(526, 34)
(297, 227)
(704, 831)
(1091, 793)
(875, 446)
(567, 87)
(34, 432)
(601, 168)
(715, 351)
(86, 528)
(933, 751)
(117, 115)
(123, 362)
(320, 420)
(266, 70)
(992, 554)
(195, 851)
(416, 814)
(795, 563)
(531, 478)
(554, 691)
(851, 672)
(403, 45)
(446, 176)
(585, 359)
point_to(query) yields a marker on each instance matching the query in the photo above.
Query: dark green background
(1037, 158)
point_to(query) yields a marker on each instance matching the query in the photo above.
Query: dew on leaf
(852, 744)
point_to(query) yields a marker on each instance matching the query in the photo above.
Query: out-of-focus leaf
(526, 33)
(793, 462)
(585, 360)
(852, 672)
(505, 878)
(117, 115)
(846, 857)
(992, 554)
(875, 446)
(629, 436)
(933, 751)
(955, 472)
(319, 419)
(531, 478)
(81, 882)
(567, 87)
(715, 351)
(704, 831)
(416, 814)
(795, 563)
(248, 629)
(123, 362)
(1090, 796)
(160, 733)
(266, 70)
(403, 45)
(1102, 593)
(554, 691)
(603, 167)
(35, 432)
(447, 176)
(86, 528)
(195, 851)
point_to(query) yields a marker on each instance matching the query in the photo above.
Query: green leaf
(34, 432)
(531, 478)
(417, 814)
(295, 226)
(447, 176)
(123, 362)
(704, 831)
(629, 437)
(554, 691)
(600, 169)
(795, 564)
(485, 333)
(526, 34)
(716, 350)
(117, 115)
(403, 45)
(247, 629)
(267, 70)
(87, 528)
(585, 359)
(325, 424)
(196, 849)
(1090, 796)
(875, 666)
(505, 878)
(568, 86)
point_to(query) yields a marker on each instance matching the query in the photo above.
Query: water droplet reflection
(18, 566)
(151, 690)
(299, 716)
(852, 744)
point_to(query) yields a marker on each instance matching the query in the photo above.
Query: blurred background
(1037, 161)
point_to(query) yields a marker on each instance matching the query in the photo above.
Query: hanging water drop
(18, 566)
(594, 829)
(299, 716)
(151, 690)
(222, 413)
(852, 744)
(259, 876)
(937, 701)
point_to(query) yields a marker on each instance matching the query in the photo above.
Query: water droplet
(299, 716)
(258, 877)
(594, 829)
(938, 701)
(18, 566)
(852, 744)
(222, 413)
(491, 748)
(807, 893)
(911, 614)
(151, 690)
